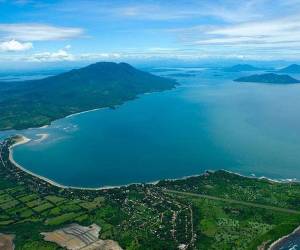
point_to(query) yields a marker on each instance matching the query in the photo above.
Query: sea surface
(207, 122)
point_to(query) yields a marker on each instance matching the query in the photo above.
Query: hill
(36, 103)
(292, 69)
(268, 78)
(241, 67)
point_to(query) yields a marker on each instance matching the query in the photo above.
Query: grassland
(217, 210)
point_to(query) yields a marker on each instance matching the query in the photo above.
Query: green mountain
(36, 103)
(292, 69)
(268, 78)
(241, 67)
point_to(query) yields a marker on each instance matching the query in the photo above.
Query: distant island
(268, 78)
(37, 103)
(241, 67)
(292, 69)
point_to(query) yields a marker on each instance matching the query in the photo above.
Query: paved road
(245, 203)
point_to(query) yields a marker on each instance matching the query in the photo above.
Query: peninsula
(268, 78)
(36, 103)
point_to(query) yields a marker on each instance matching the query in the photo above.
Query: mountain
(292, 69)
(268, 78)
(36, 103)
(241, 67)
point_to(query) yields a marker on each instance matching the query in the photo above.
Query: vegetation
(216, 210)
(231, 186)
(36, 103)
(269, 78)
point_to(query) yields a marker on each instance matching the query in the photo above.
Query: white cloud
(38, 32)
(64, 55)
(273, 33)
(13, 46)
(98, 56)
(60, 55)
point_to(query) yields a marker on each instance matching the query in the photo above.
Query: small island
(268, 78)
(241, 67)
(291, 69)
(35, 103)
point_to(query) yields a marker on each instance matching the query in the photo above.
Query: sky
(53, 31)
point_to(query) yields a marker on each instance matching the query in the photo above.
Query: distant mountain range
(241, 67)
(292, 69)
(268, 78)
(36, 103)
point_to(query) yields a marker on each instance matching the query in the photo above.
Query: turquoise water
(208, 122)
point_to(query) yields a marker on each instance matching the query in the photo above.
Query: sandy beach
(25, 140)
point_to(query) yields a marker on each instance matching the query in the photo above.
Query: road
(244, 203)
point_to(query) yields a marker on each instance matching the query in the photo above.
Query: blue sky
(88, 30)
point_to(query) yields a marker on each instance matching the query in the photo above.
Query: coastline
(83, 112)
(25, 140)
(283, 238)
(115, 106)
(92, 110)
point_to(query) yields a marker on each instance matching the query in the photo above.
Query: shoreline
(283, 238)
(114, 107)
(83, 112)
(25, 140)
(92, 110)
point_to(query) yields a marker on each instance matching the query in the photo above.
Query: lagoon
(208, 122)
